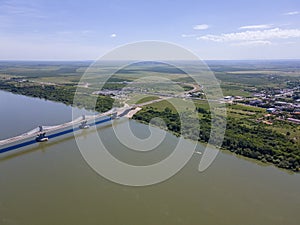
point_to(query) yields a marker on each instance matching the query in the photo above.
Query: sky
(213, 30)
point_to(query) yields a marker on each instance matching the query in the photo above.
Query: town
(280, 104)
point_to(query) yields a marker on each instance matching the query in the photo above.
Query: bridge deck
(58, 127)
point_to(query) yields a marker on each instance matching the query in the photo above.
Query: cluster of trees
(172, 120)
(253, 141)
(64, 94)
(260, 143)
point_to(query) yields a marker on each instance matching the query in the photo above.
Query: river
(52, 184)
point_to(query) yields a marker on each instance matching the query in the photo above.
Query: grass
(140, 98)
(202, 104)
(287, 128)
(147, 99)
(235, 90)
(246, 108)
(58, 80)
(175, 104)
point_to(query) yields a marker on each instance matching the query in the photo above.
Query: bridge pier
(41, 137)
(84, 124)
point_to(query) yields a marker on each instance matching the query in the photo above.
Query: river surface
(51, 183)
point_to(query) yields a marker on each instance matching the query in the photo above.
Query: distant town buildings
(281, 103)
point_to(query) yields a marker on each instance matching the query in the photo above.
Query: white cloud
(113, 35)
(253, 43)
(292, 13)
(260, 26)
(256, 35)
(188, 35)
(201, 27)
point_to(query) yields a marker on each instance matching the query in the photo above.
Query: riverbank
(255, 142)
(58, 93)
(131, 113)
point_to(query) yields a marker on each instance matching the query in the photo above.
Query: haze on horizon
(85, 30)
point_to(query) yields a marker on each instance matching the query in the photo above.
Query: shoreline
(133, 112)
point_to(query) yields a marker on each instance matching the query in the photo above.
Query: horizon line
(92, 60)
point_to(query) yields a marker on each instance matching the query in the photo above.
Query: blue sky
(83, 30)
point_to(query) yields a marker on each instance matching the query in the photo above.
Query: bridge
(39, 134)
(82, 122)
